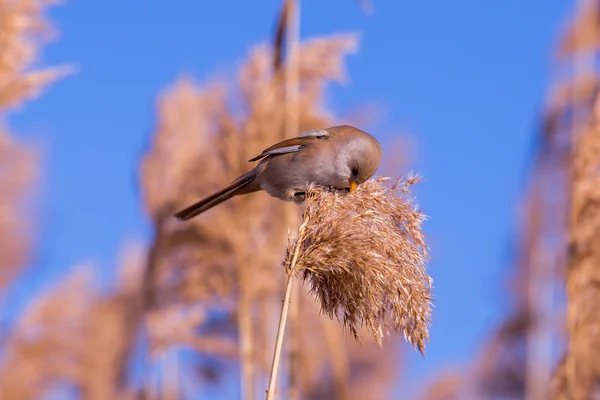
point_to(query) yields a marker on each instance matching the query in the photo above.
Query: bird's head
(359, 157)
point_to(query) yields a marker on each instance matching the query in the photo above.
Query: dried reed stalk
(290, 23)
(245, 325)
(282, 321)
(364, 256)
(578, 374)
(581, 367)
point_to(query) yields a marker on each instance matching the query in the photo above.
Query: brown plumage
(340, 158)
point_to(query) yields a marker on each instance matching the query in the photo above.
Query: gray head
(360, 155)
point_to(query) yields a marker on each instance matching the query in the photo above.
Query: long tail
(236, 188)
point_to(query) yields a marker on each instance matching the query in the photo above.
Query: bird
(338, 158)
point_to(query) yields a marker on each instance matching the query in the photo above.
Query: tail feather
(216, 198)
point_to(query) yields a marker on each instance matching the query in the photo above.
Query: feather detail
(292, 145)
(237, 187)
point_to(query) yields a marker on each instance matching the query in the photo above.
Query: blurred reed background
(193, 312)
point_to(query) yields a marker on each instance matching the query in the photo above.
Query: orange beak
(353, 186)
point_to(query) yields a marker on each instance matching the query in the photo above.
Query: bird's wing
(292, 145)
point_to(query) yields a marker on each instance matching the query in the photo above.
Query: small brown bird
(339, 158)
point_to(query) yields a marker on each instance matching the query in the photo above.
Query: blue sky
(464, 79)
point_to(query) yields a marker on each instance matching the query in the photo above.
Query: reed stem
(282, 320)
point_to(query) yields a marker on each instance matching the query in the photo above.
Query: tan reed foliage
(176, 325)
(17, 177)
(498, 370)
(46, 347)
(331, 364)
(580, 34)
(506, 366)
(353, 370)
(559, 388)
(578, 374)
(500, 367)
(581, 367)
(204, 137)
(515, 365)
(372, 371)
(446, 386)
(72, 335)
(363, 255)
(22, 28)
(107, 345)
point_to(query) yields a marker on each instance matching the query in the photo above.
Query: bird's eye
(322, 137)
(355, 171)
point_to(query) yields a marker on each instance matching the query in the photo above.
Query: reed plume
(23, 28)
(580, 374)
(17, 180)
(46, 347)
(72, 335)
(363, 255)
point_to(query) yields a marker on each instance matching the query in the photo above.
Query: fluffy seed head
(363, 254)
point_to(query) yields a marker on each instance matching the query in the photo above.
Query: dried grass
(578, 374)
(581, 367)
(515, 363)
(511, 364)
(22, 28)
(73, 336)
(580, 35)
(47, 345)
(17, 179)
(353, 371)
(176, 326)
(446, 386)
(363, 255)
(110, 335)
